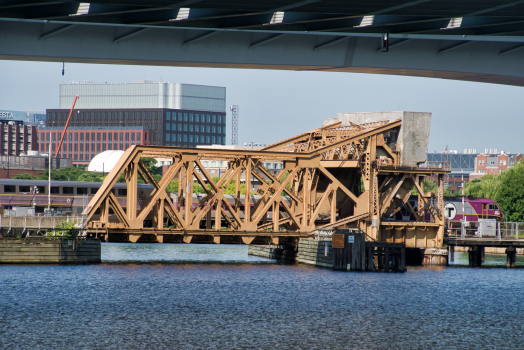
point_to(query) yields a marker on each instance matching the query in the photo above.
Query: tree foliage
(25, 176)
(485, 187)
(510, 193)
(65, 229)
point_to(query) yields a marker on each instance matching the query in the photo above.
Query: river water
(181, 296)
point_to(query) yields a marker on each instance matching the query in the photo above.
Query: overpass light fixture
(366, 21)
(454, 23)
(385, 42)
(83, 9)
(278, 17)
(183, 13)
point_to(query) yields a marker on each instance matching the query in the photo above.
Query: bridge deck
(485, 242)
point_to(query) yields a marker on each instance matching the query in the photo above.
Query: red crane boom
(65, 128)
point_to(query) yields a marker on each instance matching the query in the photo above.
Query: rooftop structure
(144, 94)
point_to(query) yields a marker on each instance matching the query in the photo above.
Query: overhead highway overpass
(469, 40)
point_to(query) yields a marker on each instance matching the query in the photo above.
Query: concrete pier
(38, 250)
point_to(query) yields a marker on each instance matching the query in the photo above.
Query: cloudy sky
(278, 104)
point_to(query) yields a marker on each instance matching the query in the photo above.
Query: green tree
(25, 176)
(173, 186)
(510, 193)
(65, 229)
(89, 176)
(428, 186)
(485, 187)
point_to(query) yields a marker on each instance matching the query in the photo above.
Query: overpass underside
(469, 40)
(339, 175)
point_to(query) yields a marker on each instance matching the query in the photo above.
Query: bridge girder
(318, 187)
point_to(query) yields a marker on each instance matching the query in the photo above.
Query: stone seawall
(272, 251)
(313, 252)
(37, 250)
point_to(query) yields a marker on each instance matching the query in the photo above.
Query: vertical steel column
(131, 175)
(189, 191)
(247, 197)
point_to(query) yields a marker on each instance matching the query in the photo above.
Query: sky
(275, 105)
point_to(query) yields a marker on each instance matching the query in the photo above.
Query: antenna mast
(234, 119)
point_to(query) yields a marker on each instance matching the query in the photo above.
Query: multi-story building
(166, 114)
(83, 143)
(489, 164)
(17, 138)
(28, 117)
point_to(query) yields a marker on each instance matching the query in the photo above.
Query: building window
(185, 117)
(197, 118)
(191, 127)
(214, 118)
(208, 129)
(185, 127)
(197, 128)
(213, 129)
(179, 116)
(179, 127)
(208, 118)
(190, 138)
(492, 162)
(168, 126)
(213, 139)
(190, 117)
(138, 138)
(168, 137)
(196, 139)
(208, 139)
(168, 115)
(219, 129)
(179, 137)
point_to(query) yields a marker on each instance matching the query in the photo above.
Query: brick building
(493, 164)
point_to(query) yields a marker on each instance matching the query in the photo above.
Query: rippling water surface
(163, 296)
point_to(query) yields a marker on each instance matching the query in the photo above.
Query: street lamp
(34, 191)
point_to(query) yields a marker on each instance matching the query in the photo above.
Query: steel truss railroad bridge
(337, 175)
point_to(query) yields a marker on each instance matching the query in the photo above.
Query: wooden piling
(511, 254)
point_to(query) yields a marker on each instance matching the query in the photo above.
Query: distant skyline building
(28, 117)
(116, 116)
(17, 138)
(489, 164)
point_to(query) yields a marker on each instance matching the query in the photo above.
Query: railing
(495, 230)
(426, 165)
(38, 222)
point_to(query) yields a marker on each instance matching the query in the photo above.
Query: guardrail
(37, 223)
(499, 230)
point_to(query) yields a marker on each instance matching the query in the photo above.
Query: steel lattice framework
(331, 177)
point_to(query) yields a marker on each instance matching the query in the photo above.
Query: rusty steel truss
(333, 176)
